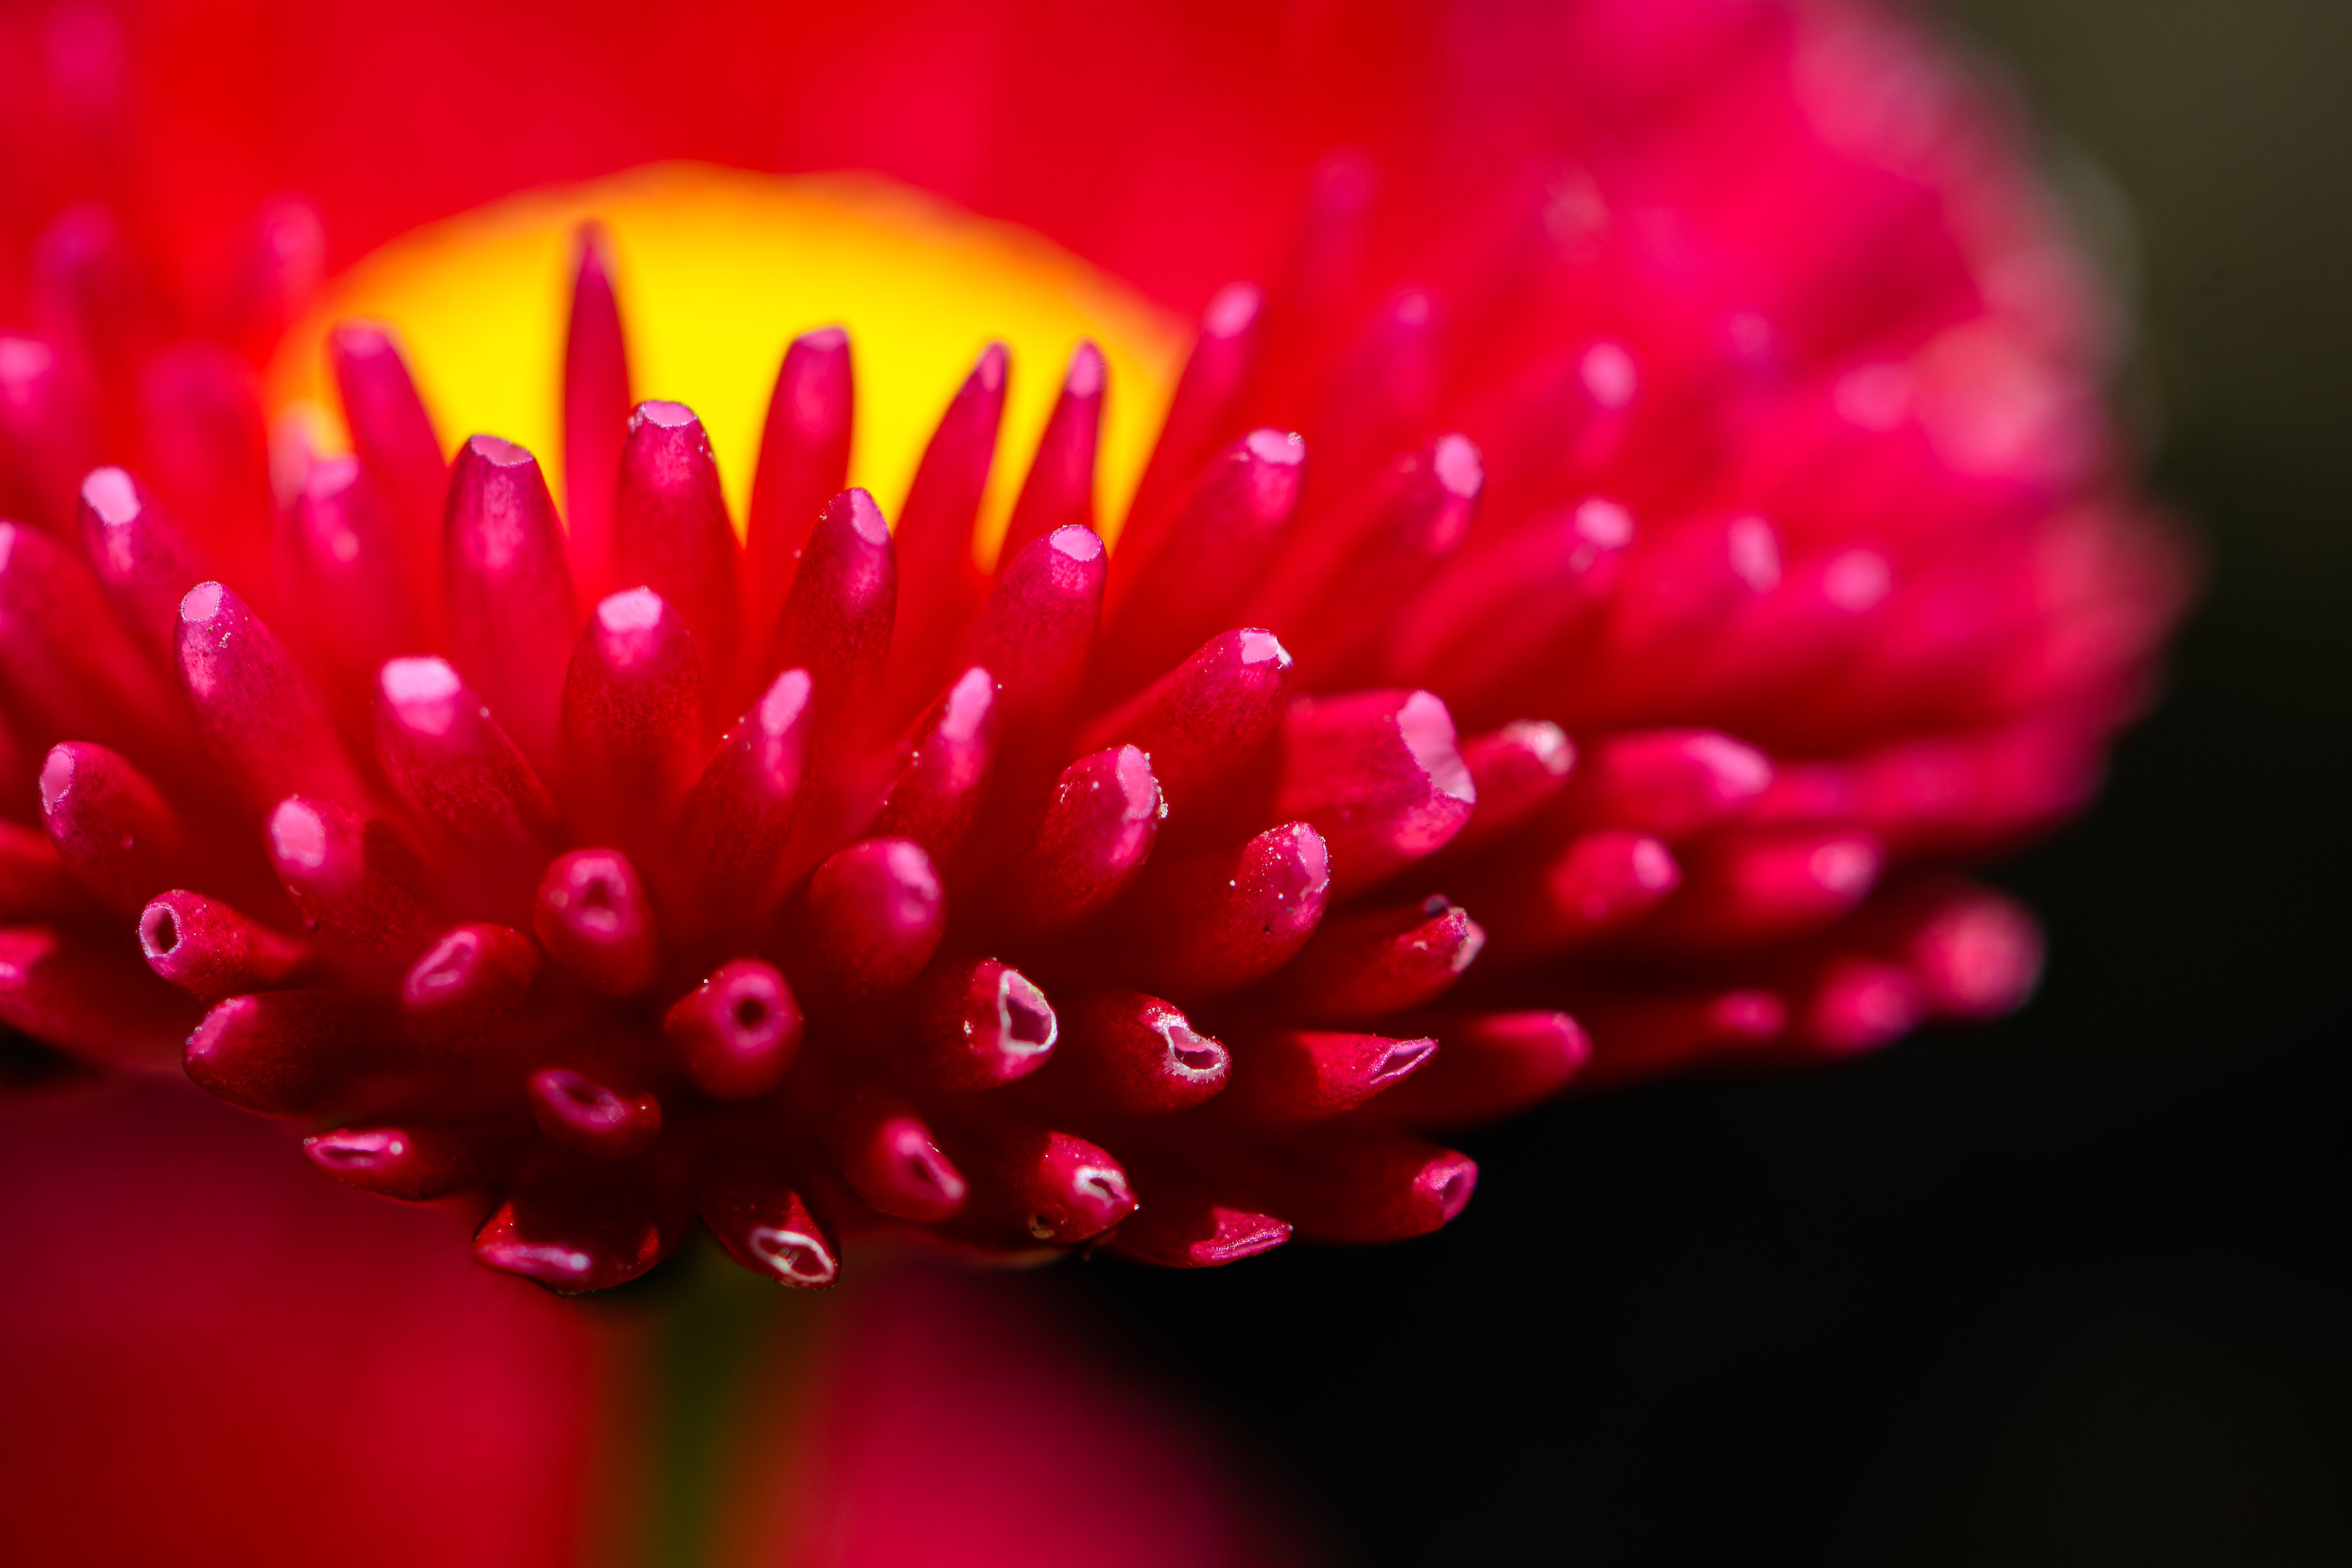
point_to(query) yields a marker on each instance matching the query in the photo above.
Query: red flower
(957, 1420)
(204, 1363)
(1706, 383)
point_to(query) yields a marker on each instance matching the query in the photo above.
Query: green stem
(725, 1332)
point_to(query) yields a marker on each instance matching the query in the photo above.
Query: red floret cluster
(1561, 636)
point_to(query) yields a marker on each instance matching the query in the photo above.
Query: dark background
(2076, 1289)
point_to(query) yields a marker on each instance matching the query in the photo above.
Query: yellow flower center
(718, 270)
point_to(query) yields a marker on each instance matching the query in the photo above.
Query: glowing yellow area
(719, 270)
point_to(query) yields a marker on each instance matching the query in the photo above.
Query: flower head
(1571, 619)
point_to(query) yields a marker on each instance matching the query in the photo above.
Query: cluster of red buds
(1602, 680)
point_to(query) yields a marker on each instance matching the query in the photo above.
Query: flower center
(718, 270)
